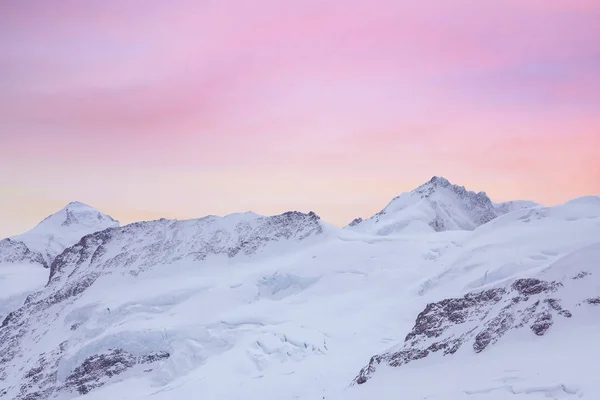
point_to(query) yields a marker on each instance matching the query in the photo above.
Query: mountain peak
(80, 207)
(439, 180)
(437, 205)
(432, 184)
(82, 214)
(78, 204)
(64, 229)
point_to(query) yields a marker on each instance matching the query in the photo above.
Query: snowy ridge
(13, 251)
(64, 228)
(130, 250)
(437, 205)
(145, 244)
(288, 307)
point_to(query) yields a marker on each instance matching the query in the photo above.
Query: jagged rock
(530, 286)
(355, 222)
(95, 370)
(13, 251)
(581, 275)
(485, 316)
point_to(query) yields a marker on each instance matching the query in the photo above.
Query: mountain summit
(24, 259)
(437, 205)
(64, 229)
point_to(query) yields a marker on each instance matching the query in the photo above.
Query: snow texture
(444, 295)
(64, 229)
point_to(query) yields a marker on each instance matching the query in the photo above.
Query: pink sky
(183, 108)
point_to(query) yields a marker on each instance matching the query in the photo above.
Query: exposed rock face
(355, 222)
(581, 275)
(37, 383)
(127, 250)
(478, 319)
(479, 205)
(95, 370)
(13, 251)
(145, 244)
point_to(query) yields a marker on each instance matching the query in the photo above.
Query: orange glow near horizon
(180, 109)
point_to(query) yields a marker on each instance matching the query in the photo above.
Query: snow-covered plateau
(443, 295)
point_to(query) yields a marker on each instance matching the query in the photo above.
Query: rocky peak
(438, 204)
(437, 182)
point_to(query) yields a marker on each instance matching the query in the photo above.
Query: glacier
(444, 295)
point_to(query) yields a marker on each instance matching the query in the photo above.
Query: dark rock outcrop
(594, 301)
(97, 369)
(355, 222)
(13, 251)
(479, 319)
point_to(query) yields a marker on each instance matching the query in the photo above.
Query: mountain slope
(37, 331)
(437, 205)
(565, 289)
(13, 251)
(287, 307)
(21, 272)
(514, 205)
(63, 229)
(24, 259)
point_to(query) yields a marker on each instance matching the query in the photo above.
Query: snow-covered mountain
(289, 307)
(35, 332)
(437, 205)
(64, 229)
(565, 289)
(23, 258)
